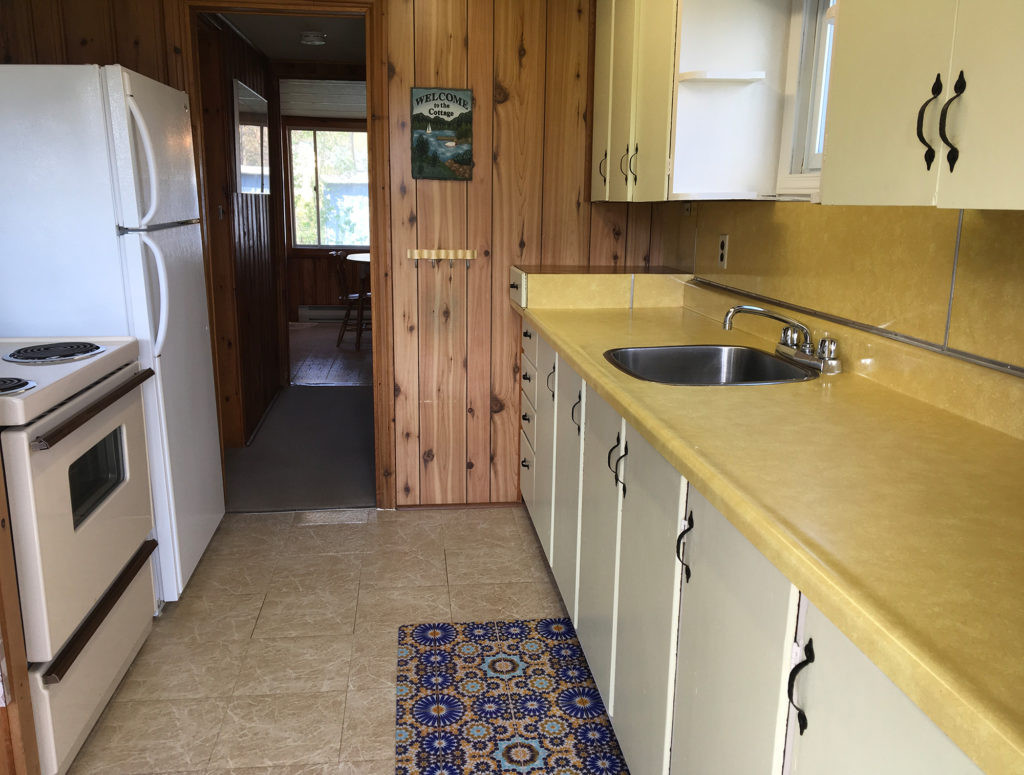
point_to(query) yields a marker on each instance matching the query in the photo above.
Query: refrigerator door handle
(147, 145)
(161, 275)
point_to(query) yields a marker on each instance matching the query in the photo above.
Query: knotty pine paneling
(608, 225)
(638, 234)
(405, 295)
(480, 55)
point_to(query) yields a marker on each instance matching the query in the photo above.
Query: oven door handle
(67, 656)
(51, 438)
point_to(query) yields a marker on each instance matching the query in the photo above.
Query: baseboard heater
(321, 313)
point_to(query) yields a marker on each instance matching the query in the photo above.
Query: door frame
(183, 39)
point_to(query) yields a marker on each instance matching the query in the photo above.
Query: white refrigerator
(100, 236)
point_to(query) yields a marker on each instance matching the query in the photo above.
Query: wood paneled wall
(456, 341)
(241, 254)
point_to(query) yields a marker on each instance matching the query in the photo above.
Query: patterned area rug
(498, 697)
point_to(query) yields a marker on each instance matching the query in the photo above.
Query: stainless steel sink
(707, 365)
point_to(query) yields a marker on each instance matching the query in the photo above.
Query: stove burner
(10, 386)
(54, 352)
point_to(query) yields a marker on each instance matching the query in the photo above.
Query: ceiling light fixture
(311, 38)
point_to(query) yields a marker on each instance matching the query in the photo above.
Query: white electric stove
(75, 463)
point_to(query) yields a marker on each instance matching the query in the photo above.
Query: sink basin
(704, 364)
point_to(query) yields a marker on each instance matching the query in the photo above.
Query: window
(812, 32)
(330, 190)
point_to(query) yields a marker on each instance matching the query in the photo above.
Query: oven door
(78, 490)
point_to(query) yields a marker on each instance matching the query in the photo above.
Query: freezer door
(151, 136)
(61, 275)
(167, 303)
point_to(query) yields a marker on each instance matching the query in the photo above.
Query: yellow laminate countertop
(902, 522)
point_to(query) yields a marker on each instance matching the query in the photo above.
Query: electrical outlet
(723, 250)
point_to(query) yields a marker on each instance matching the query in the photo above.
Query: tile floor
(281, 655)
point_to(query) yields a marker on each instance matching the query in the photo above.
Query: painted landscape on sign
(442, 134)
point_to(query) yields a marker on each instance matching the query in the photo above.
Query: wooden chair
(360, 300)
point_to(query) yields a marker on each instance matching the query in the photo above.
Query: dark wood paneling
(139, 37)
(88, 27)
(638, 234)
(608, 233)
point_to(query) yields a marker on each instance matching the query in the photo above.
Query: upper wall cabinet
(688, 98)
(634, 53)
(918, 75)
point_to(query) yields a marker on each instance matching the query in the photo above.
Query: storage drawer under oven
(78, 490)
(66, 708)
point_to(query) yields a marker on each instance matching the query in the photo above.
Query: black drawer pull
(601, 165)
(527, 335)
(527, 377)
(954, 153)
(572, 413)
(547, 383)
(801, 717)
(618, 441)
(625, 175)
(526, 417)
(929, 154)
(679, 545)
(514, 286)
(619, 459)
(524, 463)
(636, 150)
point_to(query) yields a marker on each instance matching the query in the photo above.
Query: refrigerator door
(58, 240)
(151, 136)
(168, 312)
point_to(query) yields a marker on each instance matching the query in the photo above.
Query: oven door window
(95, 475)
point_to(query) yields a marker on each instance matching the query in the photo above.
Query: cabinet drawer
(529, 381)
(517, 285)
(528, 420)
(530, 342)
(527, 469)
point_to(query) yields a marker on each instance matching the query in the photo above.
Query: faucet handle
(827, 348)
(790, 337)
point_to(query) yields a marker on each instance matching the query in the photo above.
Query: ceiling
(277, 37)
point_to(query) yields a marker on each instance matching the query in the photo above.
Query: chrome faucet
(823, 359)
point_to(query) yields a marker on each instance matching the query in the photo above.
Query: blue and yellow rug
(498, 697)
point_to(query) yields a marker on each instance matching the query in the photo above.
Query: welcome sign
(442, 134)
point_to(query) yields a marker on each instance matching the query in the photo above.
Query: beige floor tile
(225, 617)
(369, 731)
(412, 516)
(340, 538)
(280, 729)
(152, 736)
(231, 574)
(312, 572)
(276, 520)
(169, 669)
(396, 605)
(311, 612)
(295, 665)
(378, 767)
(497, 566)
(403, 536)
(375, 767)
(238, 537)
(413, 565)
(485, 536)
(374, 659)
(522, 600)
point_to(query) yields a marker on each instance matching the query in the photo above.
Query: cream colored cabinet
(653, 496)
(895, 73)
(633, 67)
(604, 447)
(544, 446)
(736, 626)
(528, 417)
(857, 720)
(570, 422)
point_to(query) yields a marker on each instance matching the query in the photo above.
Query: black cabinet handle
(619, 459)
(514, 286)
(527, 377)
(625, 175)
(572, 412)
(801, 717)
(524, 463)
(954, 153)
(929, 154)
(636, 150)
(547, 382)
(679, 545)
(601, 165)
(527, 335)
(526, 417)
(618, 440)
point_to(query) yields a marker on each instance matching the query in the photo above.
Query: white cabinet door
(603, 443)
(544, 446)
(736, 627)
(622, 83)
(603, 63)
(885, 59)
(649, 575)
(985, 121)
(858, 721)
(569, 428)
